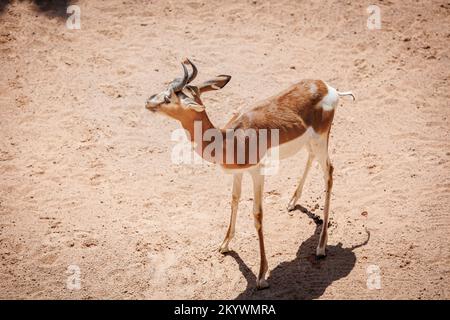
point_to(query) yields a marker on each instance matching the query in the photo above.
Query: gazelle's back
(291, 111)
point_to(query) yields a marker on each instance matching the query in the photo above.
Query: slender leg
(327, 168)
(298, 191)
(258, 189)
(236, 195)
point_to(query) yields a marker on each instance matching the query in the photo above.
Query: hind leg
(327, 168)
(298, 192)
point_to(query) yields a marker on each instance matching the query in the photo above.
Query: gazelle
(301, 115)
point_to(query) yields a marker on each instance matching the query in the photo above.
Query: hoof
(262, 284)
(224, 249)
(320, 252)
(291, 207)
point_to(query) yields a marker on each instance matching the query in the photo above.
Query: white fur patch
(329, 102)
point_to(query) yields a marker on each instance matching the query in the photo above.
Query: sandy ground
(86, 177)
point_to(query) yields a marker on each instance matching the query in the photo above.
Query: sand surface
(86, 177)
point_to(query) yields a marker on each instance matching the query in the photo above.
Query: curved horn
(179, 83)
(194, 71)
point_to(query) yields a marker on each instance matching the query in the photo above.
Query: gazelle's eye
(166, 99)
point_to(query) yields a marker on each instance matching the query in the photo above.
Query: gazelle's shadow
(305, 277)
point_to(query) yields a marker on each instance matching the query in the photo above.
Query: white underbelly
(283, 151)
(292, 147)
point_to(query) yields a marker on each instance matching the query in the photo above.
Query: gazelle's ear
(190, 103)
(214, 84)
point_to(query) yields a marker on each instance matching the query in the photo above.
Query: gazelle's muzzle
(152, 103)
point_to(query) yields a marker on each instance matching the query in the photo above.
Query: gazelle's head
(181, 97)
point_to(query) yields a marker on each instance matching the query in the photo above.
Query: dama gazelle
(301, 115)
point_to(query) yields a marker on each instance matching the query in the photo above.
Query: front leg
(236, 195)
(258, 189)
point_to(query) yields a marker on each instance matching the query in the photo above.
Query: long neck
(197, 125)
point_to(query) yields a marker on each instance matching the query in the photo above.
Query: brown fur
(291, 112)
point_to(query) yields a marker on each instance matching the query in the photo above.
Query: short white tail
(346, 93)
